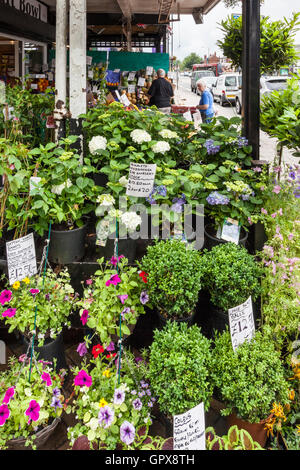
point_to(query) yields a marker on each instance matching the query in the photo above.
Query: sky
(202, 38)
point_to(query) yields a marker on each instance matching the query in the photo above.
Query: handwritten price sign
(241, 323)
(141, 179)
(21, 258)
(189, 429)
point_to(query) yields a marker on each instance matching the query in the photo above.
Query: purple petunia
(144, 297)
(126, 310)
(81, 349)
(119, 396)
(56, 403)
(137, 404)
(127, 433)
(56, 392)
(111, 346)
(106, 416)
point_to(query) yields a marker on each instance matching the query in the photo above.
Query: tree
(276, 46)
(191, 59)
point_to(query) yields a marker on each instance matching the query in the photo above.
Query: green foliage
(231, 275)
(236, 439)
(276, 45)
(180, 367)
(250, 378)
(190, 60)
(280, 115)
(54, 303)
(174, 277)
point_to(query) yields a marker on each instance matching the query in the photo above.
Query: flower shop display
(174, 278)
(110, 412)
(180, 368)
(248, 380)
(236, 439)
(29, 411)
(53, 299)
(113, 299)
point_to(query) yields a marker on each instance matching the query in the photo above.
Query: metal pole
(251, 73)
(61, 66)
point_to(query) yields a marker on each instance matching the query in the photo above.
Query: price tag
(45, 68)
(21, 258)
(149, 70)
(241, 322)
(117, 70)
(131, 76)
(34, 184)
(141, 81)
(189, 429)
(197, 119)
(131, 88)
(40, 75)
(34, 86)
(90, 74)
(187, 116)
(124, 100)
(231, 231)
(2, 93)
(141, 179)
(50, 76)
(89, 60)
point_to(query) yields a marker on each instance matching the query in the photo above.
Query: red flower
(98, 349)
(109, 356)
(143, 275)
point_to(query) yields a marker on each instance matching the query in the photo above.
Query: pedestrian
(206, 105)
(161, 92)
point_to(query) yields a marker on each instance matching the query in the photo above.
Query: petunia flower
(83, 379)
(84, 317)
(46, 378)
(33, 411)
(98, 349)
(56, 403)
(144, 297)
(125, 310)
(8, 395)
(123, 297)
(10, 312)
(137, 404)
(111, 346)
(4, 414)
(106, 416)
(127, 433)
(5, 297)
(119, 396)
(114, 280)
(81, 349)
(56, 392)
(89, 282)
(34, 292)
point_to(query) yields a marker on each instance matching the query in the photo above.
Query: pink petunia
(84, 316)
(113, 260)
(10, 312)
(8, 395)
(111, 346)
(123, 298)
(47, 378)
(33, 411)
(83, 379)
(34, 291)
(114, 279)
(4, 414)
(5, 296)
(89, 282)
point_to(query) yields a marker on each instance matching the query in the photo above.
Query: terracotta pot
(256, 430)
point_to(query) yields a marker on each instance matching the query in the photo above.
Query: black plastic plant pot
(100, 179)
(162, 321)
(52, 348)
(126, 247)
(67, 246)
(210, 239)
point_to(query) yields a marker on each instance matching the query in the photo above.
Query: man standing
(206, 104)
(161, 92)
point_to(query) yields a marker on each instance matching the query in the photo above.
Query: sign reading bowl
(29, 7)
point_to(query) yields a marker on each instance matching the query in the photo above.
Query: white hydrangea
(106, 200)
(167, 134)
(58, 188)
(97, 143)
(139, 136)
(161, 147)
(123, 181)
(131, 220)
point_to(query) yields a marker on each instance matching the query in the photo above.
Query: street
(185, 97)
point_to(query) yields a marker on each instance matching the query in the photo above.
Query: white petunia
(97, 143)
(161, 147)
(139, 136)
(58, 189)
(131, 220)
(167, 134)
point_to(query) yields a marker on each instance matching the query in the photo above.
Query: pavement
(185, 97)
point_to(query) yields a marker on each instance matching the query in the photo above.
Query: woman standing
(206, 105)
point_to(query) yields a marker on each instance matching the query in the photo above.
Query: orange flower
(291, 394)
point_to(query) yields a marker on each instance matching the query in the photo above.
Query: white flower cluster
(106, 200)
(57, 189)
(123, 181)
(167, 134)
(139, 136)
(97, 143)
(131, 220)
(161, 147)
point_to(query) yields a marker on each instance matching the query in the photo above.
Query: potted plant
(29, 410)
(113, 299)
(179, 369)
(235, 439)
(174, 279)
(230, 276)
(110, 414)
(248, 381)
(52, 300)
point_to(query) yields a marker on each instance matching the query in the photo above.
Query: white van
(226, 88)
(197, 74)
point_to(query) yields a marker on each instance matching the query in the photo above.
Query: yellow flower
(16, 285)
(269, 427)
(106, 373)
(277, 410)
(291, 394)
(298, 428)
(102, 403)
(26, 280)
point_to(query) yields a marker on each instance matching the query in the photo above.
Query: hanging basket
(41, 437)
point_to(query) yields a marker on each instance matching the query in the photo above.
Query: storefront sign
(189, 429)
(21, 258)
(29, 7)
(141, 179)
(241, 322)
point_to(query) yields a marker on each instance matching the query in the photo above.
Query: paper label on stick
(197, 119)
(241, 322)
(187, 116)
(2, 92)
(124, 100)
(131, 76)
(141, 179)
(89, 60)
(90, 74)
(141, 81)
(21, 258)
(231, 231)
(131, 88)
(149, 70)
(189, 429)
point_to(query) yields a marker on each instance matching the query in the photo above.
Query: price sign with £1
(241, 322)
(21, 258)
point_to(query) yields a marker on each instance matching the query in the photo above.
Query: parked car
(267, 85)
(226, 87)
(197, 74)
(210, 82)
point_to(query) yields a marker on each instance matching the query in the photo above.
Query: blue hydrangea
(242, 142)
(211, 148)
(216, 198)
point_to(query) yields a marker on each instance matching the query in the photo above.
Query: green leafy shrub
(174, 277)
(249, 379)
(179, 368)
(231, 275)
